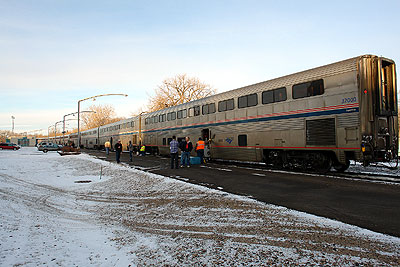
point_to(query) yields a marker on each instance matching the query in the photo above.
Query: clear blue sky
(54, 53)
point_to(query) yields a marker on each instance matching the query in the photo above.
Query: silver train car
(313, 119)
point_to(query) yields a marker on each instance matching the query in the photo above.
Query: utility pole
(12, 129)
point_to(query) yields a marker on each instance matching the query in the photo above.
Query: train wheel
(322, 163)
(342, 167)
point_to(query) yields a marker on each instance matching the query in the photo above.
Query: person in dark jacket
(186, 147)
(118, 150)
(173, 147)
(130, 149)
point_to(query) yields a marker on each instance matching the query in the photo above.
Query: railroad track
(368, 176)
(373, 177)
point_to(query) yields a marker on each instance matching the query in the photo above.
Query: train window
(308, 89)
(197, 110)
(242, 139)
(252, 100)
(222, 106)
(280, 94)
(164, 141)
(194, 111)
(132, 123)
(182, 114)
(230, 104)
(162, 118)
(205, 109)
(242, 102)
(171, 116)
(267, 97)
(209, 108)
(155, 119)
(248, 101)
(226, 105)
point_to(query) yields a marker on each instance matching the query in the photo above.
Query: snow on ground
(375, 168)
(130, 217)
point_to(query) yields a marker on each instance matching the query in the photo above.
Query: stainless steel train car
(124, 130)
(312, 119)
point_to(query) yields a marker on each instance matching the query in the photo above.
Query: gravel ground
(150, 220)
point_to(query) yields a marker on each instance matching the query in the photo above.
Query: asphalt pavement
(374, 206)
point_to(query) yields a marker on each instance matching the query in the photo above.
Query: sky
(53, 53)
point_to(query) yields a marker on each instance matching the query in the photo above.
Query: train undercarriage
(314, 161)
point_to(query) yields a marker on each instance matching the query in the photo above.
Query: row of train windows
(130, 124)
(89, 133)
(301, 90)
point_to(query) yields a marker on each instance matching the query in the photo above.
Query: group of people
(185, 146)
(118, 150)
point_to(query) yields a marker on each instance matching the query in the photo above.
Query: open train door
(205, 135)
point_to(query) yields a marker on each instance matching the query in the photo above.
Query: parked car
(9, 146)
(48, 147)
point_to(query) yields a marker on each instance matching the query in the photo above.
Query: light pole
(79, 108)
(140, 128)
(73, 113)
(48, 133)
(12, 129)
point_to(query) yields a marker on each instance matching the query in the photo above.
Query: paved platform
(375, 206)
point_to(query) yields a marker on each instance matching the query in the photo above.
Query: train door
(205, 135)
(378, 108)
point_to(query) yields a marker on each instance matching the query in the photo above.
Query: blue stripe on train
(283, 117)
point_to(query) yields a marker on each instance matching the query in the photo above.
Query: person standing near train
(118, 150)
(200, 149)
(142, 151)
(173, 148)
(186, 146)
(130, 149)
(107, 145)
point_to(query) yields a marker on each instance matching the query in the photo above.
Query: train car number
(349, 100)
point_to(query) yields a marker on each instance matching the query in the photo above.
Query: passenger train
(315, 119)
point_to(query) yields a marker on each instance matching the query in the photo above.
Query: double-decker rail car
(312, 119)
(124, 130)
(90, 138)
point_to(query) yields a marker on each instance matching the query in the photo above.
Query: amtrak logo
(228, 140)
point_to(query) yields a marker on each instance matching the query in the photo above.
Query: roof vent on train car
(321, 132)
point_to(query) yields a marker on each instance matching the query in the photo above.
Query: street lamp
(79, 107)
(73, 113)
(12, 129)
(48, 133)
(140, 127)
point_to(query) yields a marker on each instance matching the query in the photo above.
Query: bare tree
(178, 90)
(4, 134)
(105, 114)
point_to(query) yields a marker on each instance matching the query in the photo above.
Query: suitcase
(194, 160)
